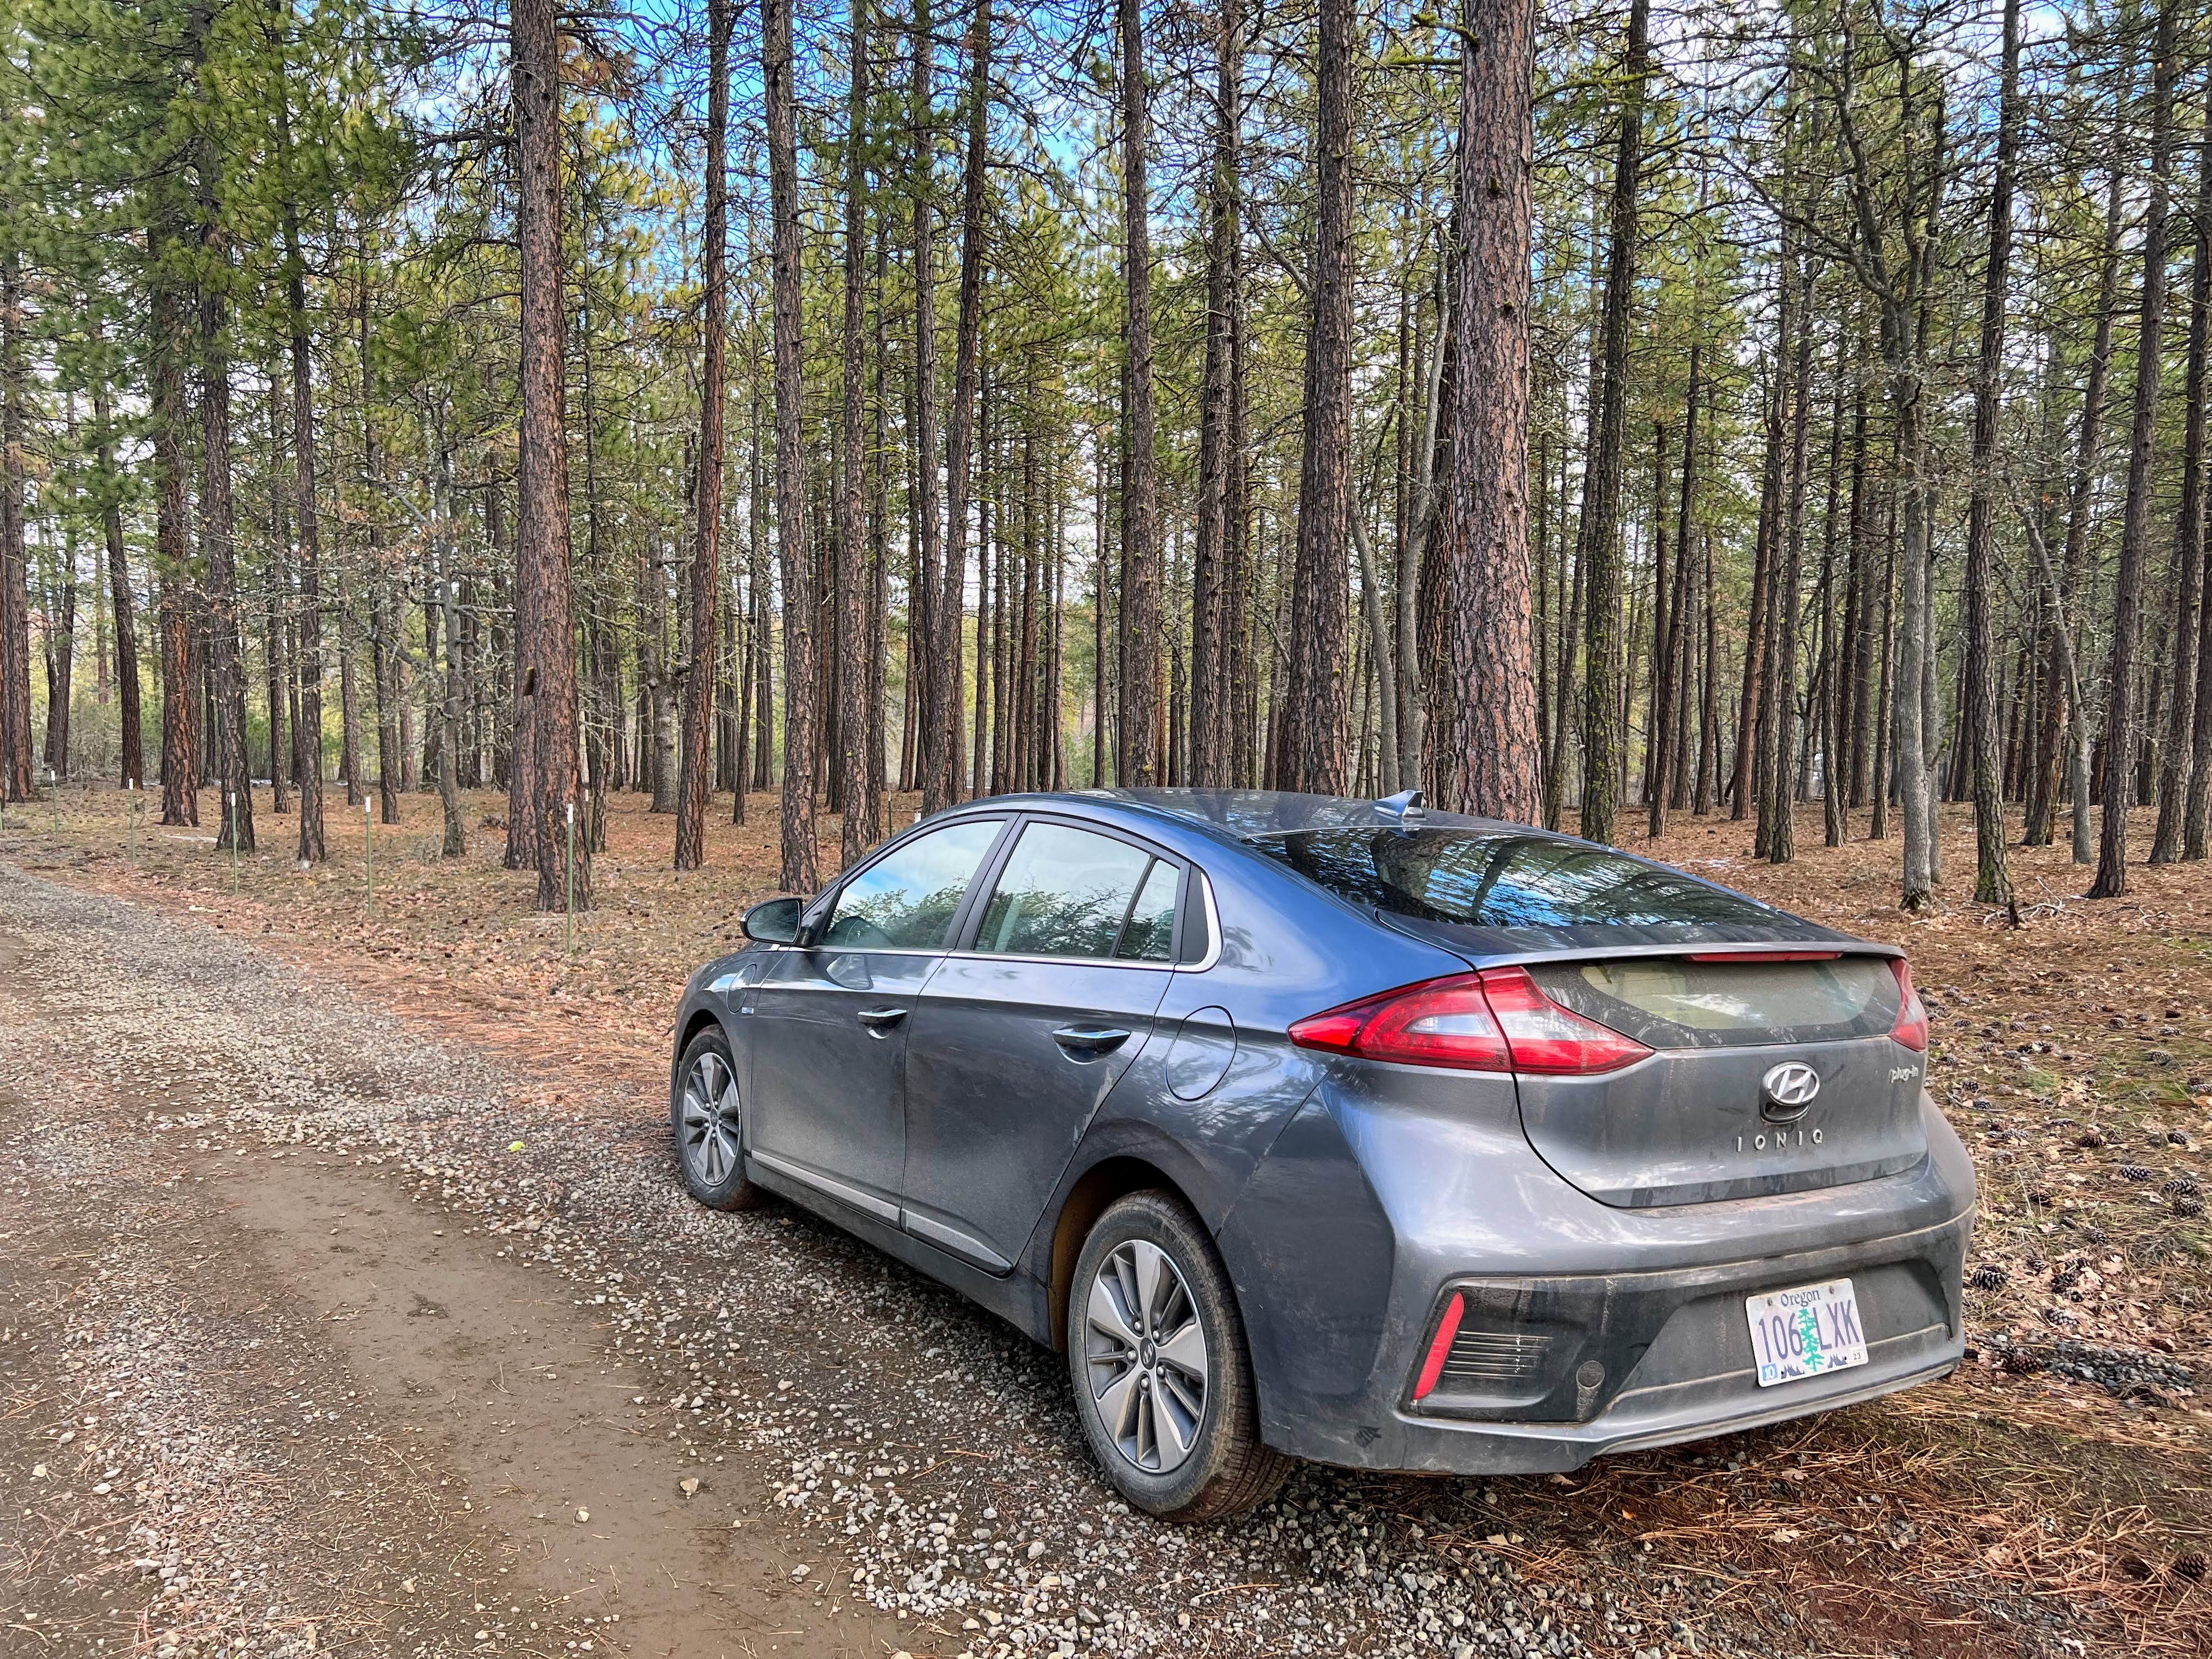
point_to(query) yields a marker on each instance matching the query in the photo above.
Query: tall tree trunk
(694, 781)
(1744, 779)
(277, 606)
(1669, 654)
(2121, 691)
(1992, 881)
(799, 873)
(879, 625)
(217, 514)
(133, 773)
(1602, 739)
(855, 724)
(456, 843)
(947, 679)
(1315, 736)
(1778, 836)
(15, 579)
(1138, 760)
(1213, 690)
(2189, 543)
(310, 665)
(929, 721)
(543, 792)
(1496, 764)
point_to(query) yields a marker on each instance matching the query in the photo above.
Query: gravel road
(317, 1335)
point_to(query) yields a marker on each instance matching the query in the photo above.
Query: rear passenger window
(1066, 892)
(1150, 935)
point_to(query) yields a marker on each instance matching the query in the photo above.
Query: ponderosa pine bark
(1600, 553)
(1138, 763)
(926, 729)
(226, 664)
(862, 826)
(2189, 544)
(15, 780)
(1992, 880)
(305, 504)
(132, 772)
(1213, 692)
(800, 872)
(543, 794)
(2120, 690)
(1316, 735)
(693, 782)
(948, 676)
(1496, 764)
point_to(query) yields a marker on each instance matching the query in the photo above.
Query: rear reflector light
(1440, 1348)
(1497, 1020)
(1911, 1027)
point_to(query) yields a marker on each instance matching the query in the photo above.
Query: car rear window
(1676, 1002)
(1492, 878)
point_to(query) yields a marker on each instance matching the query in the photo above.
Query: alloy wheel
(1146, 1357)
(711, 1133)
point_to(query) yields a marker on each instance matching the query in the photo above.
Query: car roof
(1240, 819)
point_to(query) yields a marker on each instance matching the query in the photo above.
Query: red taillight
(1911, 1027)
(1497, 1020)
(1544, 1037)
(1440, 1347)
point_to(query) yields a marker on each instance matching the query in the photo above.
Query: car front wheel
(709, 1118)
(1162, 1378)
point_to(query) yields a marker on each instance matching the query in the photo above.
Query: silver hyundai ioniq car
(1335, 1129)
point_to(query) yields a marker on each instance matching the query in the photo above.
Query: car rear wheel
(709, 1118)
(1162, 1378)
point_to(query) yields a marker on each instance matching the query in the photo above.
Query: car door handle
(879, 1020)
(1086, 1042)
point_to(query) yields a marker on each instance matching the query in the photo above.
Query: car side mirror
(775, 922)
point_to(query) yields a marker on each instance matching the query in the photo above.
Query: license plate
(1805, 1332)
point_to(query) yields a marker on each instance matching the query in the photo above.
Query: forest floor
(349, 1302)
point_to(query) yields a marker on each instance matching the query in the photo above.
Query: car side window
(1150, 935)
(1067, 892)
(906, 901)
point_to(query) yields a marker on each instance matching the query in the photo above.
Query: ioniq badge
(1790, 1089)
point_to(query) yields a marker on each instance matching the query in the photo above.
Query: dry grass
(2071, 1054)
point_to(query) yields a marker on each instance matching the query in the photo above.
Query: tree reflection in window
(907, 900)
(1069, 893)
(1489, 879)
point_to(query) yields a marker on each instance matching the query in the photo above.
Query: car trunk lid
(1772, 1071)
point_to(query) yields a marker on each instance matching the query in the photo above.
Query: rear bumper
(1693, 1377)
(1601, 1328)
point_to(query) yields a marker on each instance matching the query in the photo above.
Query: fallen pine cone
(1989, 1277)
(2190, 1565)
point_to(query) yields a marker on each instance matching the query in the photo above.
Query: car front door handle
(1088, 1041)
(879, 1020)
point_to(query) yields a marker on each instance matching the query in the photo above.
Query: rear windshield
(1672, 1002)
(1499, 878)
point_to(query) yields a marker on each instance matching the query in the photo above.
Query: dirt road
(318, 1335)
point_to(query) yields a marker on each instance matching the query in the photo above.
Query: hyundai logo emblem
(1790, 1089)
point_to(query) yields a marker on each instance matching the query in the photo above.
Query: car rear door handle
(879, 1020)
(1087, 1041)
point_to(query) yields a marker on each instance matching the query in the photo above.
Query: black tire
(1226, 1468)
(710, 1142)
